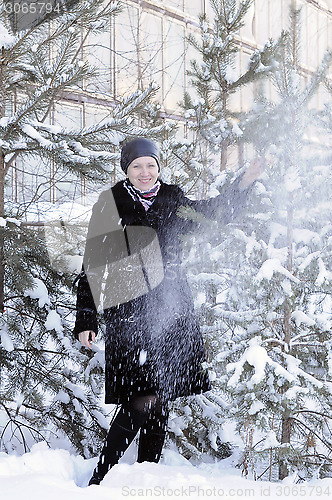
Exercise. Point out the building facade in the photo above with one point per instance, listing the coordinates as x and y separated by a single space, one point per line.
148 41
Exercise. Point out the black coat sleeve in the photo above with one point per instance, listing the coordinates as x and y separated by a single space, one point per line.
86 311
226 206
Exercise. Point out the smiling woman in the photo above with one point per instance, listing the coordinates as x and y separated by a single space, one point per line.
154 350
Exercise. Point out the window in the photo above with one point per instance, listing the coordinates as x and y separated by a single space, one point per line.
247 32
67 185
329 33
322 35
174 66
194 7
94 114
126 50
262 28
243 100
151 51
30 179
191 55
99 56
276 19
178 4
303 52
312 29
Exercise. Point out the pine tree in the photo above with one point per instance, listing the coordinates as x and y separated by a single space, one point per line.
215 78
304 336
270 322
49 385
266 309
213 127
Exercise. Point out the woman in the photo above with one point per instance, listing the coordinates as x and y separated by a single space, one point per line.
153 347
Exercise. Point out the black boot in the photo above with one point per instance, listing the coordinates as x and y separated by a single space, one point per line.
122 431
152 437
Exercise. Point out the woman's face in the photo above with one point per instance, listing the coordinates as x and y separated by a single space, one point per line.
143 172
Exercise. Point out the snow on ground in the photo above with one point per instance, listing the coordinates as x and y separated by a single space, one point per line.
49 474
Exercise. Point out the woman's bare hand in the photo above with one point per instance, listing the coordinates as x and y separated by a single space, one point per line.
87 338
255 169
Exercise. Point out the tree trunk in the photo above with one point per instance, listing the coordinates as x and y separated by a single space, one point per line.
286 420
2 231
2 180
223 152
211 300
285 438
223 159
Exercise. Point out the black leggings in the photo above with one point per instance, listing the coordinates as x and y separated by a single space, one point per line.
144 413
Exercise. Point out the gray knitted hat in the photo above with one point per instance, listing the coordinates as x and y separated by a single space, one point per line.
137 148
